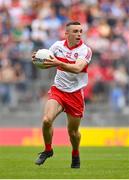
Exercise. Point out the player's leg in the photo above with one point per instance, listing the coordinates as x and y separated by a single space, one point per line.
52 109
75 137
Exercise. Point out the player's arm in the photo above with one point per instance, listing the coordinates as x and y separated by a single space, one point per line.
73 68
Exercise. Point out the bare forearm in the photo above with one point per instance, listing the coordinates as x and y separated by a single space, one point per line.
73 68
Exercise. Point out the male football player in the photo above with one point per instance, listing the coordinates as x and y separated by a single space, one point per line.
72 58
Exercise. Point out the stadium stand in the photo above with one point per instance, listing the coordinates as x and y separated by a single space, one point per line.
26 26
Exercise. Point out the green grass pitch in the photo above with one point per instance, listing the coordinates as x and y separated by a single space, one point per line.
96 163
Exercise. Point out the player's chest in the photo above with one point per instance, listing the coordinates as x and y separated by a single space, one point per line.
65 53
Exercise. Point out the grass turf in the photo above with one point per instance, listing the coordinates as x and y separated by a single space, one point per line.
96 163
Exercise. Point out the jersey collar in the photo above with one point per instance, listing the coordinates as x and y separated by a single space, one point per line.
73 47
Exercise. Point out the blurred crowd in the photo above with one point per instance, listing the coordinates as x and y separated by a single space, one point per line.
26 26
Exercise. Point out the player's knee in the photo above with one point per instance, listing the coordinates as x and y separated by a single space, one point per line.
47 122
73 133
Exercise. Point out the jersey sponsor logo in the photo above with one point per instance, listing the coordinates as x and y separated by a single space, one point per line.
68 54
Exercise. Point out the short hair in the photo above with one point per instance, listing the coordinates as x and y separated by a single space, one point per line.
73 23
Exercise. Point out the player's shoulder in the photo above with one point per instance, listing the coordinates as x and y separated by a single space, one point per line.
58 43
86 51
85 46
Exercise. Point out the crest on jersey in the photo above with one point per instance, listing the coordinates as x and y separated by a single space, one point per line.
76 55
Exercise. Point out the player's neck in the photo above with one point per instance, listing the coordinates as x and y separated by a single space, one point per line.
71 44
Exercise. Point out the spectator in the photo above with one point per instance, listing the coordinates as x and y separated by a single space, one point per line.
26 26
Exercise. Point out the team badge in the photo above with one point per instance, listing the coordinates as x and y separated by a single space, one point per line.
76 55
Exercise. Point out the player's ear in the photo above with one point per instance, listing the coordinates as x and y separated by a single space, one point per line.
66 32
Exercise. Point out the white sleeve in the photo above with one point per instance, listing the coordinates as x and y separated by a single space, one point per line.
86 55
53 47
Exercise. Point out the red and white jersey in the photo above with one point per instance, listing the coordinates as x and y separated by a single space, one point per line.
67 81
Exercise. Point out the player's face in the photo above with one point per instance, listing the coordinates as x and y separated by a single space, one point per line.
73 34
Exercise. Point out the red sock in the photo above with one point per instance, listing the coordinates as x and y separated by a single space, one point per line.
48 147
75 152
